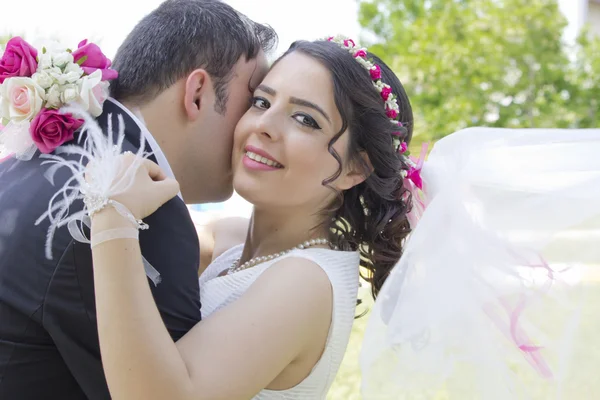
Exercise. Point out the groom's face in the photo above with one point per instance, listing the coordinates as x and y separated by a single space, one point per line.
217 127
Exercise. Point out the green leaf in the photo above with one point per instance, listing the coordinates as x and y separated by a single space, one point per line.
43 50
82 60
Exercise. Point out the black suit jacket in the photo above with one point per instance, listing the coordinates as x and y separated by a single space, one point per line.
48 333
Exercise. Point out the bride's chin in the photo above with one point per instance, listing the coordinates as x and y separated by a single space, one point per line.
249 191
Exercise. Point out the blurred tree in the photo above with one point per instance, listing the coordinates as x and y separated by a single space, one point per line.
585 78
475 62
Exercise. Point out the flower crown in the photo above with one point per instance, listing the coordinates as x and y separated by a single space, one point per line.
35 84
412 181
392 110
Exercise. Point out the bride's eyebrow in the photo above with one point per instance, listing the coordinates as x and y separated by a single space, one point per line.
306 103
295 100
266 89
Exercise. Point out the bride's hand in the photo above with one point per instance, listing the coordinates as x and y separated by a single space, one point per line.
149 189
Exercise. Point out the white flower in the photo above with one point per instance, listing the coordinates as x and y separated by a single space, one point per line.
73 68
93 93
22 99
72 72
45 61
61 59
53 97
69 93
43 79
57 75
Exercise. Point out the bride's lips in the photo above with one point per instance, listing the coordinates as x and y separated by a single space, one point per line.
259 160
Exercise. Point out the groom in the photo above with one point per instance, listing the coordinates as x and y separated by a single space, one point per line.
186 73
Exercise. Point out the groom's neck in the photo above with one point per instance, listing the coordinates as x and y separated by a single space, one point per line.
154 115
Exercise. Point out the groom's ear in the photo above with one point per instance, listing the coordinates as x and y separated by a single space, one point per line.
195 87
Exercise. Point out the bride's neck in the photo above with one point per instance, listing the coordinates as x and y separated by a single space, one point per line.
272 232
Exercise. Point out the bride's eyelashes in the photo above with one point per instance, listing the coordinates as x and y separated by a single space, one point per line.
260 102
305 120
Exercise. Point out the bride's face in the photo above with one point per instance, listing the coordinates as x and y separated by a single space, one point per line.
280 156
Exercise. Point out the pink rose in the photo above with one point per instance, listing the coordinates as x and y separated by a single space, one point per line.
349 42
393 114
375 72
385 93
51 129
18 59
94 59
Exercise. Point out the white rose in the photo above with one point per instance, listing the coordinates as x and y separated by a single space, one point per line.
22 99
69 93
62 58
43 79
93 93
53 97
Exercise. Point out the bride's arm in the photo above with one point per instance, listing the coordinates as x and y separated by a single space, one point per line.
233 354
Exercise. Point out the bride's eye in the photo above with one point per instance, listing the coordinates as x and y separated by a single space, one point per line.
306 120
260 102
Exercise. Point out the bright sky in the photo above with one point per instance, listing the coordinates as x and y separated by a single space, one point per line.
111 20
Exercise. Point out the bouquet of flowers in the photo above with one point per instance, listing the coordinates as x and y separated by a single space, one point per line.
36 83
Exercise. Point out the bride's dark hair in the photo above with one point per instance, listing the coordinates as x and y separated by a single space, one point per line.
370 217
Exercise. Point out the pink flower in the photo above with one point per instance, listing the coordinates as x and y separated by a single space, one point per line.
385 92
393 114
347 43
414 175
18 59
361 54
93 59
51 129
375 72
403 147
22 98
330 38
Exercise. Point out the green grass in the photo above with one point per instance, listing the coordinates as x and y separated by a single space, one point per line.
583 382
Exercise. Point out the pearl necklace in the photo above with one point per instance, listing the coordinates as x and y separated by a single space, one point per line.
235 267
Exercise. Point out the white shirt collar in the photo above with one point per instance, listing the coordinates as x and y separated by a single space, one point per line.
161 159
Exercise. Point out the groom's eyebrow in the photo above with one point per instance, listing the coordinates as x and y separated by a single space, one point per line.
295 100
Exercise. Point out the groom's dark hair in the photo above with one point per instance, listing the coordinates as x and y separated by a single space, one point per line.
181 36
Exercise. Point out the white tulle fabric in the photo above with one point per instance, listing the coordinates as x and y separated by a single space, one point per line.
484 303
96 185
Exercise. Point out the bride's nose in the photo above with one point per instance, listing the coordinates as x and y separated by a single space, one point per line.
269 126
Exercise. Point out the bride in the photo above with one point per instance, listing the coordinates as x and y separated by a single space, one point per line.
322 156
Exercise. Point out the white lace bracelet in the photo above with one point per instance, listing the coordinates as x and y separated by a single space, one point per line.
113 234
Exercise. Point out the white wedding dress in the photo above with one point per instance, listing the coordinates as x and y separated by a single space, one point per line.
342 269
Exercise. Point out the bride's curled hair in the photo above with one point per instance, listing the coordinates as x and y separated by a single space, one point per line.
372 216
